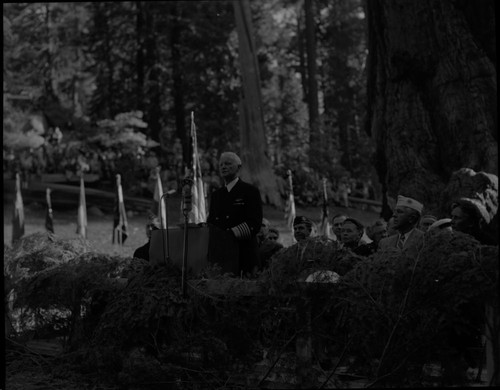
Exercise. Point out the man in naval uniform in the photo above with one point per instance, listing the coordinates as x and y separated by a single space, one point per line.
234 219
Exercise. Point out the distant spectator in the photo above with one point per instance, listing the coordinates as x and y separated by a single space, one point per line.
264 230
468 217
143 251
406 218
269 246
273 234
302 228
390 227
344 191
352 231
377 231
337 222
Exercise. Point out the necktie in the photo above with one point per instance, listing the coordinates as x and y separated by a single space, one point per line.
401 241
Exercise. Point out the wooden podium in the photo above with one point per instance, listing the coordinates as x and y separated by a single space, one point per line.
197 253
205 244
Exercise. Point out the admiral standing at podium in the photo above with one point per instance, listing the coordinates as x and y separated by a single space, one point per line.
234 219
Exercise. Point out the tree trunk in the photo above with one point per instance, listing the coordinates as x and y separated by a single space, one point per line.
153 84
178 92
302 54
140 56
431 94
256 165
312 84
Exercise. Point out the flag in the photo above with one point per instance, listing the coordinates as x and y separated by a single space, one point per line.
81 227
49 220
198 213
290 203
120 216
324 227
161 211
18 214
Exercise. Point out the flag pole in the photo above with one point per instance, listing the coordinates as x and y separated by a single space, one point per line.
18 213
291 202
199 210
49 219
324 211
81 228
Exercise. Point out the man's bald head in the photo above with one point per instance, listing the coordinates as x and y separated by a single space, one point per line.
232 157
229 166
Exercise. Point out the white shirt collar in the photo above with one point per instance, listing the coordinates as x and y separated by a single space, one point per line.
231 184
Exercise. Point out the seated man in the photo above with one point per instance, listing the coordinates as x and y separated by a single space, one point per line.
337 222
302 228
377 231
467 216
352 231
263 232
143 251
406 218
269 246
273 235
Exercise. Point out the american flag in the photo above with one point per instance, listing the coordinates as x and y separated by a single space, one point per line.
81 227
120 223
290 203
198 213
49 219
324 227
18 214
162 212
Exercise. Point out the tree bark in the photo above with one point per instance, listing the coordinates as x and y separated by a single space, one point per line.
431 95
312 83
178 81
153 83
302 54
140 56
256 165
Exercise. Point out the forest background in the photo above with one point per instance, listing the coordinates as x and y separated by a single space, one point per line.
119 81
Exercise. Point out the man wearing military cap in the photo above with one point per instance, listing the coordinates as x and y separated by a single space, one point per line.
406 218
234 219
302 228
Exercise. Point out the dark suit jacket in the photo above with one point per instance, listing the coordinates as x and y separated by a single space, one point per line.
143 251
412 245
241 211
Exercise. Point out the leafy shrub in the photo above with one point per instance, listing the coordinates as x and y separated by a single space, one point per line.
393 313
296 262
399 311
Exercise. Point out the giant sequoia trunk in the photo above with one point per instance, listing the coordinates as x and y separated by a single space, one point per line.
312 85
432 93
178 81
256 164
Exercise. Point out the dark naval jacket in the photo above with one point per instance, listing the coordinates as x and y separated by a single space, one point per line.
234 219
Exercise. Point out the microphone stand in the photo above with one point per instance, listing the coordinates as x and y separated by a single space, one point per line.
167 258
186 208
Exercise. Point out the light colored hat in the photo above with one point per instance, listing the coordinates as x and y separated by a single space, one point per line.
265 222
410 203
439 223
